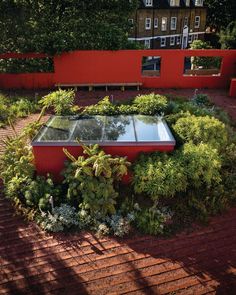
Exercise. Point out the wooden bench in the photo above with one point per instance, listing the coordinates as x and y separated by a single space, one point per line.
106 85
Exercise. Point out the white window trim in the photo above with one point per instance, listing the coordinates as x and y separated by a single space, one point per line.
178 38
173 28
148 3
148 27
195 37
186 21
147 43
190 38
163 45
162 24
156 22
172 43
175 4
197 22
187 3
198 2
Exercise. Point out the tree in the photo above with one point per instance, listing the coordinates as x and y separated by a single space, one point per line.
56 26
220 13
228 36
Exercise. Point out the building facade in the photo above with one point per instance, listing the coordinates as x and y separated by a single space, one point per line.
168 23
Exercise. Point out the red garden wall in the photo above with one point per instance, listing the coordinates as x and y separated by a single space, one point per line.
82 67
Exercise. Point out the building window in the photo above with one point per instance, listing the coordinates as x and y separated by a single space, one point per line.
185 21
198 2
164 24
197 22
148 23
172 41
155 22
174 2
190 38
147 43
187 2
195 37
178 40
173 23
148 3
163 41
131 22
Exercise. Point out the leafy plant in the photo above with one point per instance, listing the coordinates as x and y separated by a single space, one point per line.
61 101
150 104
153 220
92 179
23 108
159 175
62 217
201 129
201 99
103 107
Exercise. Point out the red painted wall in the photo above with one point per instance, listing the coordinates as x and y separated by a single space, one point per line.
125 66
80 67
232 91
50 159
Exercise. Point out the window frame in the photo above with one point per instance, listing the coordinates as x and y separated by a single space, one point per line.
175 23
147 43
178 38
148 3
190 38
172 43
197 21
156 22
150 23
162 38
166 19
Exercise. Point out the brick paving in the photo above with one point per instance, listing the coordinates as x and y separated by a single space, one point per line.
33 262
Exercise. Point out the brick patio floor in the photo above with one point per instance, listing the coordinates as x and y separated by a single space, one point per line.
32 262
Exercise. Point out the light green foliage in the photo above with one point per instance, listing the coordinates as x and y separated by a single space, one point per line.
202 164
61 101
159 175
61 218
150 104
153 220
12 108
103 107
92 179
39 191
201 129
207 62
16 167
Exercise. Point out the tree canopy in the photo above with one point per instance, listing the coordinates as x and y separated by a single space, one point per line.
220 13
52 26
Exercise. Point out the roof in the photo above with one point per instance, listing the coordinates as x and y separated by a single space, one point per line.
164 4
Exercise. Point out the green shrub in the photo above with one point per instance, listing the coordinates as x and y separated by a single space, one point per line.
39 191
201 129
91 180
202 164
61 101
152 221
159 175
23 108
103 107
201 99
150 104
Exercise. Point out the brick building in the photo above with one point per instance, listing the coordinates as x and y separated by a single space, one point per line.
168 23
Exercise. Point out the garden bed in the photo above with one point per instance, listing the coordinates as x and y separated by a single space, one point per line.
168 190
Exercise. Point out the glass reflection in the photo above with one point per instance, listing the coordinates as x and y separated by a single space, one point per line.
119 128
146 128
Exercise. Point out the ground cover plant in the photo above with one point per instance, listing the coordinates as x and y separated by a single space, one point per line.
168 191
12 107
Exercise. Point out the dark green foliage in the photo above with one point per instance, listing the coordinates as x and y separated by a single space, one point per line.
201 100
40 191
59 26
228 36
29 65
